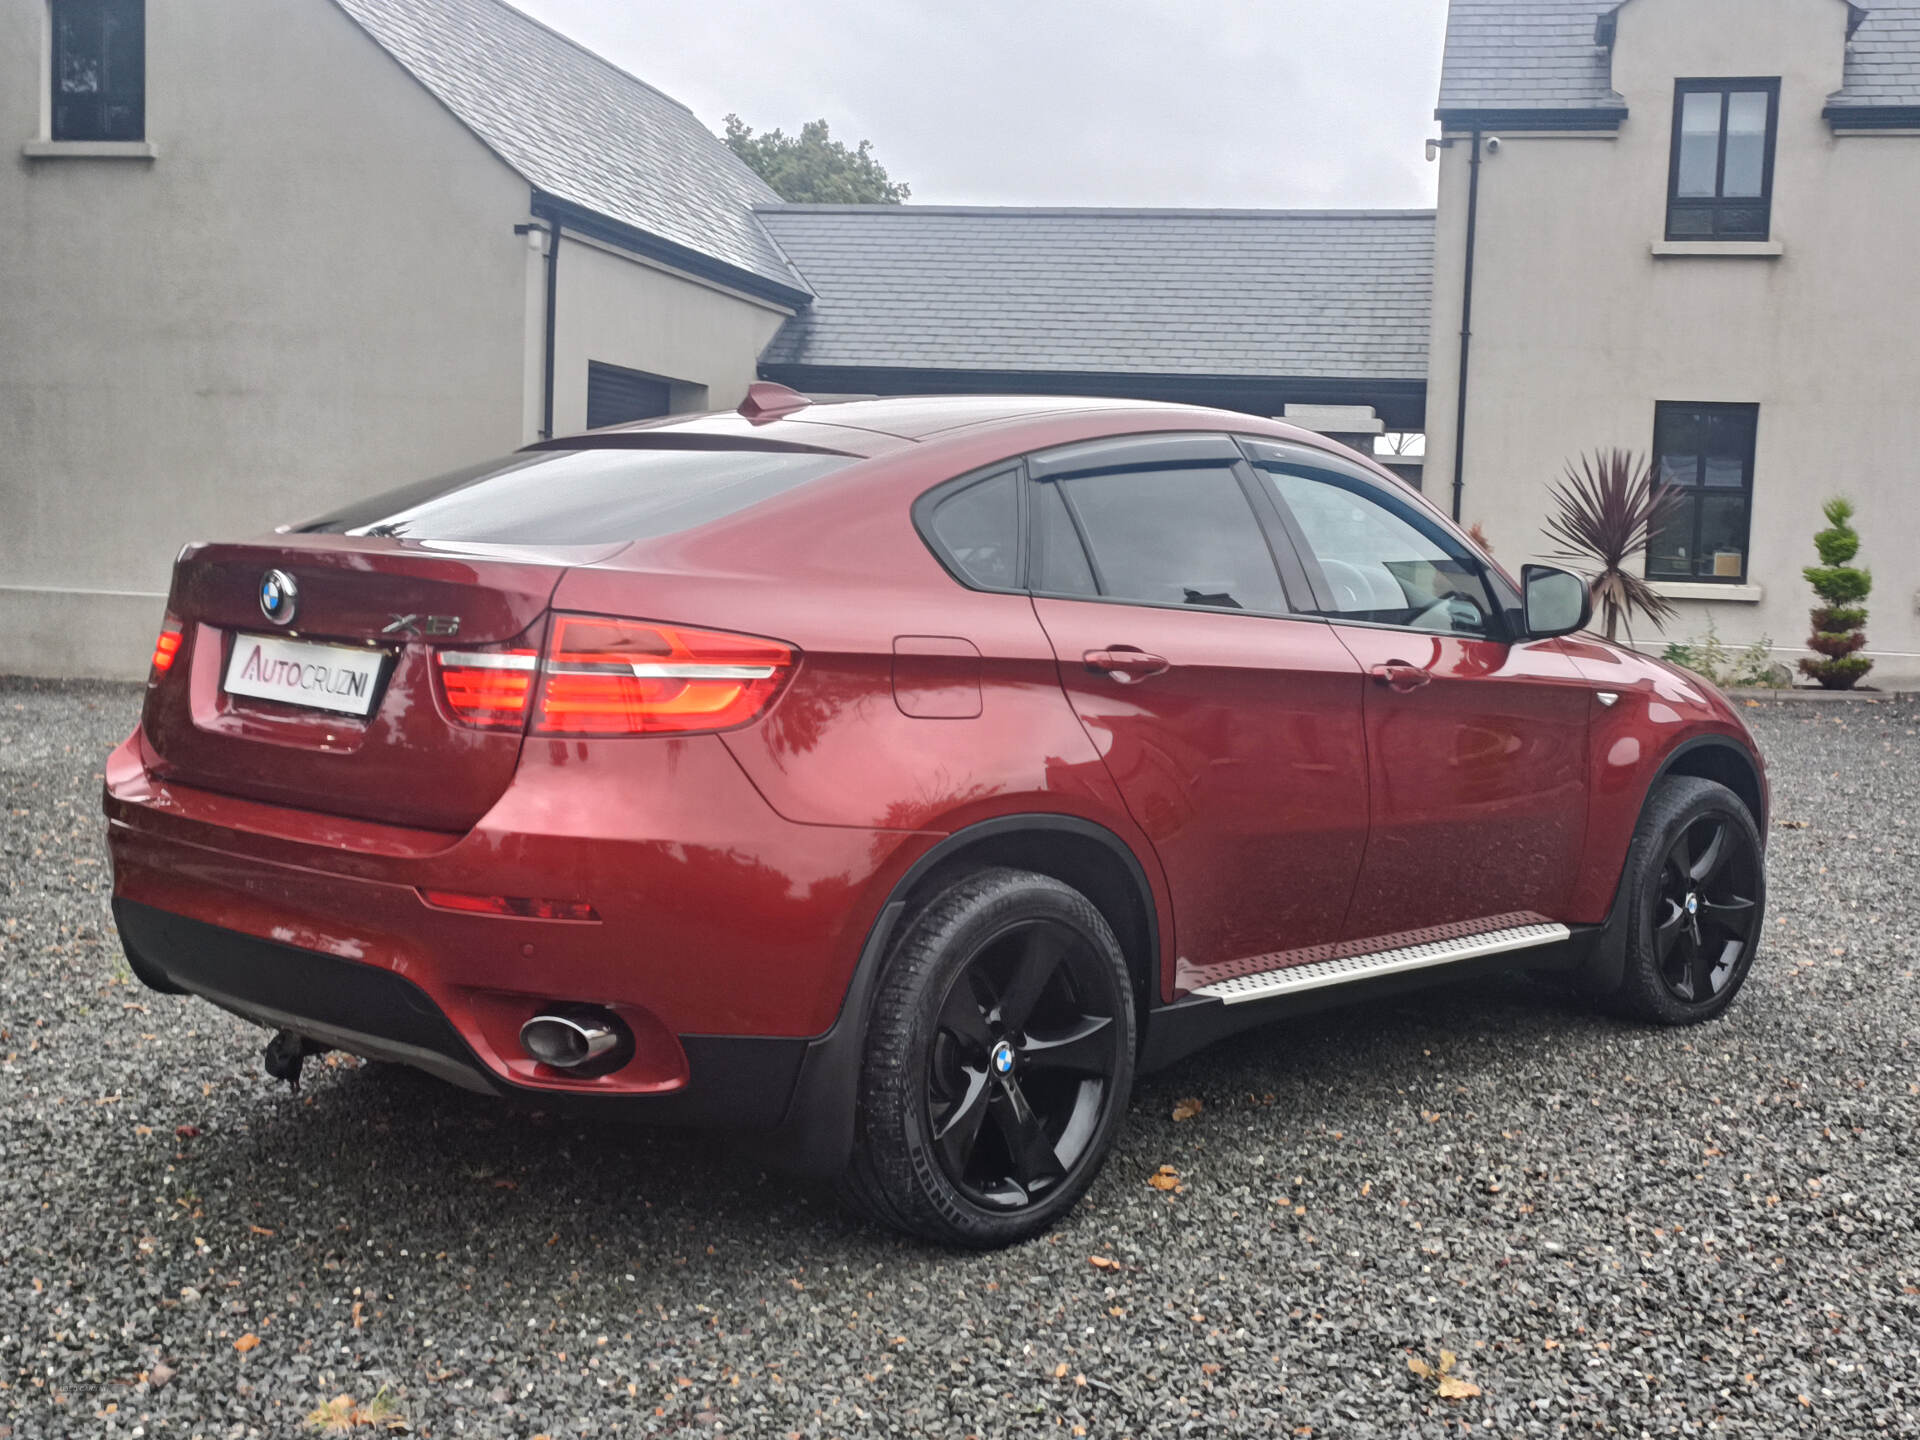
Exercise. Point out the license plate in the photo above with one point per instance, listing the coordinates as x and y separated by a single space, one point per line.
304 672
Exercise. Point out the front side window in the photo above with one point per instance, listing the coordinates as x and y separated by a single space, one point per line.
1174 532
1703 456
1382 562
1721 181
99 69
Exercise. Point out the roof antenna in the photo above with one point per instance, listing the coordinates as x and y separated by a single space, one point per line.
767 400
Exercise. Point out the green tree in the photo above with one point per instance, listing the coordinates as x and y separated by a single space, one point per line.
1838 621
813 168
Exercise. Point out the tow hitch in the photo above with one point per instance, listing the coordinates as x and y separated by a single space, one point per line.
286 1053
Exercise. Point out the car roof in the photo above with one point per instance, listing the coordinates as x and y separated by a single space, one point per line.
871 427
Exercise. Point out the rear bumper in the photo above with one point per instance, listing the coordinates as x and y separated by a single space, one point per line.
744 1082
727 937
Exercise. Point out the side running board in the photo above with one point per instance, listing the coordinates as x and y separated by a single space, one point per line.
1291 980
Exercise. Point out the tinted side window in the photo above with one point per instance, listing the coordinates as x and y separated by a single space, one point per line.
979 529
581 497
1059 560
1181 534
1383 563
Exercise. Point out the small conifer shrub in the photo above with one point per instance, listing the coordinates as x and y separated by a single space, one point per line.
1840 618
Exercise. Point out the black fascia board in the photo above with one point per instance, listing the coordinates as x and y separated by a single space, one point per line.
1591 118
1873 117
595 226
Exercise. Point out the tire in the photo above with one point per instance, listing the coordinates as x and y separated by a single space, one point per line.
1695 916
999 1063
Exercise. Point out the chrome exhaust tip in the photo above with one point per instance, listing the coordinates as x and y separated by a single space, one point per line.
573 1039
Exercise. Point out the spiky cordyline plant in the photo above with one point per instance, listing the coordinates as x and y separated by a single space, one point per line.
1605 513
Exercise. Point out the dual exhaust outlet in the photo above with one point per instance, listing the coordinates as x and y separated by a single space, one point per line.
579 1039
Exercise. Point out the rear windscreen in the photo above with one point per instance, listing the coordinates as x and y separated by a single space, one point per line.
580 497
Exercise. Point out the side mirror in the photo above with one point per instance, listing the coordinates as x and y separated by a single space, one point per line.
1557 602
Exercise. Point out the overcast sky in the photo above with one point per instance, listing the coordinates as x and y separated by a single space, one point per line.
1036 102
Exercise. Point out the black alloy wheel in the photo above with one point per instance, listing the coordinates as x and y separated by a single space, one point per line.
1704 925
1025 1054
1697 899
999 1062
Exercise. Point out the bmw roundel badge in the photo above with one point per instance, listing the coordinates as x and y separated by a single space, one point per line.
279 597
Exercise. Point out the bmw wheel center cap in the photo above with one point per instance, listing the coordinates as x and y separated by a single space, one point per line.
279 597
1002 1059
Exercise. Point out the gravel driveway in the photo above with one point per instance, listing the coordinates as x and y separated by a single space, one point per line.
1615 1230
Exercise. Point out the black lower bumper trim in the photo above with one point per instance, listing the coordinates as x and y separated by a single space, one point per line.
740 1082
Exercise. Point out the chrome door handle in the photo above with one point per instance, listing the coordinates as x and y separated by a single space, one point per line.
1400 676
1126 664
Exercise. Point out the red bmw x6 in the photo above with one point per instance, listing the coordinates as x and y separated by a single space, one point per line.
901 778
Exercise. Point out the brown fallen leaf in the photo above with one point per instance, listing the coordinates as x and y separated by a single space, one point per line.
1419 1367
186 1132
1187 1109
1452 1387
1103 1262
1165 1178
246 1342
358 1305
158 1377
1060 1371
259 1230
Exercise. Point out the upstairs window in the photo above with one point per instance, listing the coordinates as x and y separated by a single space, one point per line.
99 69
1721 181
1705 458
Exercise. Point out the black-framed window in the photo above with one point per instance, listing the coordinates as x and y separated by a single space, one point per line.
1704 455
99 77
1720 178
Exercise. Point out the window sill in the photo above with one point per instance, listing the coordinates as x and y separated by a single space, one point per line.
1708 590
1718 249
89 150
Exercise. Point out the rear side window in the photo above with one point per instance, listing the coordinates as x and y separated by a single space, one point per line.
977 529
581 497
1182 534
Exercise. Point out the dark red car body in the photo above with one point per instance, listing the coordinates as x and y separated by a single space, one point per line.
1272 794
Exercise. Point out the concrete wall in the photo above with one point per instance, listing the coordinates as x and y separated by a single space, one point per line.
311 290
1579 328
620 310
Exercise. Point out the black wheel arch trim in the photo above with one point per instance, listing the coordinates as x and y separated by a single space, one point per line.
1606 962
817 1136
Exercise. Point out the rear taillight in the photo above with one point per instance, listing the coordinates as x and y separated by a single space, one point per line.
626 677
488 688
172 636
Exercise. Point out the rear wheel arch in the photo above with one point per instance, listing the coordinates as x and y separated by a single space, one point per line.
1087 856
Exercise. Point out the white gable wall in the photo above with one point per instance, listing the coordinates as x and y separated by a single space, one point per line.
1579 328
313 292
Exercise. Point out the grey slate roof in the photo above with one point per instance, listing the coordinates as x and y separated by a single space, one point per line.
1883 62
581 129
1335 294
1526 55
1543 55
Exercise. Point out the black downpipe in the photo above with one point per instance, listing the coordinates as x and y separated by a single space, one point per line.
553 291
1466 329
